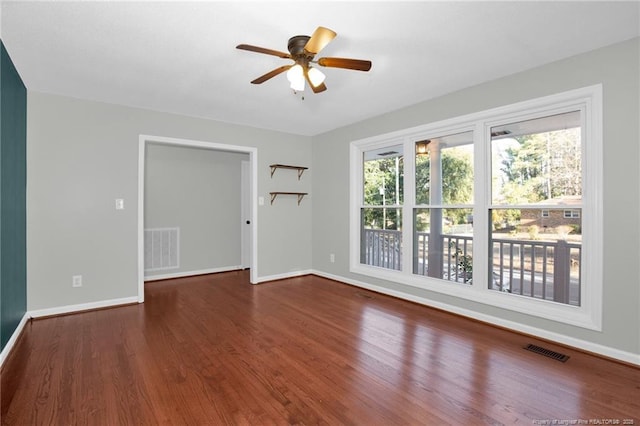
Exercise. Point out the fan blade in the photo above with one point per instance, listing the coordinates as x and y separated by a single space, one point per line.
271 74
317 89
351 64
263 50
319 39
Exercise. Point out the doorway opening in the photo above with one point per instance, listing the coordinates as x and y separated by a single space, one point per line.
248 186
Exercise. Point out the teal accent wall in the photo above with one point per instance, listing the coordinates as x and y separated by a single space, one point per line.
13 190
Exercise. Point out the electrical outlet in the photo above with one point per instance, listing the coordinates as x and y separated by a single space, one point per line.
332 258
76 281
119 204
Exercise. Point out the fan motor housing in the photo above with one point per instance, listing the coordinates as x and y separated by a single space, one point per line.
296 47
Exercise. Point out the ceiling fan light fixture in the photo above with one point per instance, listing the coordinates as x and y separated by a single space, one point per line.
316 77
302 51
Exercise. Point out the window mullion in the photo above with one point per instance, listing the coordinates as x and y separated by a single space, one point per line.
409 203
481 221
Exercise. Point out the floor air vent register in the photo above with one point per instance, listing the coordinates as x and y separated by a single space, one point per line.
547 352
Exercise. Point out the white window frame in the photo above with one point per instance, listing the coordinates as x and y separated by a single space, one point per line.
544 213
589 101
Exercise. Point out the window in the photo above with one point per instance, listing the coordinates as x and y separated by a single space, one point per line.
489 207
571 214
536 162
381 217
443 213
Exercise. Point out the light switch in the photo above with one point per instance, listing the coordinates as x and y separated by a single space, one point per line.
119 204
261 201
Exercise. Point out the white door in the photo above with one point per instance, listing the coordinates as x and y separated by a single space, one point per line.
245 211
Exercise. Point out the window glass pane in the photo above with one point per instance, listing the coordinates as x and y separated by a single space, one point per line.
443 238
444 170
571 213
537 256
537 161
383 176
381 237
536 252
443 244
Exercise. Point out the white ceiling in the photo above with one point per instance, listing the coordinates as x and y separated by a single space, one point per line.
180 56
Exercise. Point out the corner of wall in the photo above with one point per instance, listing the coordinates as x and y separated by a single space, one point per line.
13 170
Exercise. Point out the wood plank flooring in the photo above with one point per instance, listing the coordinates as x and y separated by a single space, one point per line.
215 350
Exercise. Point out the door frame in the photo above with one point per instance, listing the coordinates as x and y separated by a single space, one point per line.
253 191
245 212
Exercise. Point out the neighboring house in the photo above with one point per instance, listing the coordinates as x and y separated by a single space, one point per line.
560 211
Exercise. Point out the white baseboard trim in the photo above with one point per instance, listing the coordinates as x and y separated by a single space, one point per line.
60 310
13 339
595 348
283 276
191 273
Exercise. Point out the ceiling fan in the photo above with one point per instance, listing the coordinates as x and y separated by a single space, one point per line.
302 50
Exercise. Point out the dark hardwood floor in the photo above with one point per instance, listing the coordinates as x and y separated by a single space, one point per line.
215 350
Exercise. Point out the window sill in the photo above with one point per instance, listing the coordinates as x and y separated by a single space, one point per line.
579 316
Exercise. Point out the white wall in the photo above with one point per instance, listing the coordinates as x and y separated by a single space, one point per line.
82 155
198 191
617 68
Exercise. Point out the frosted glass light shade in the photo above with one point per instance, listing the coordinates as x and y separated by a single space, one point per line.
295 75
298 85
316 77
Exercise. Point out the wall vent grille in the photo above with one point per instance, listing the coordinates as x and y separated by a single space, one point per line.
161 249
547 352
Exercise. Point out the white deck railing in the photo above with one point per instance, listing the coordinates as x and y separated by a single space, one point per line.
381 247
540 269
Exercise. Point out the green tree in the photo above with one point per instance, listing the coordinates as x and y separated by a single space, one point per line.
457 178
543 166
383 186
538 167
457 181
523 168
